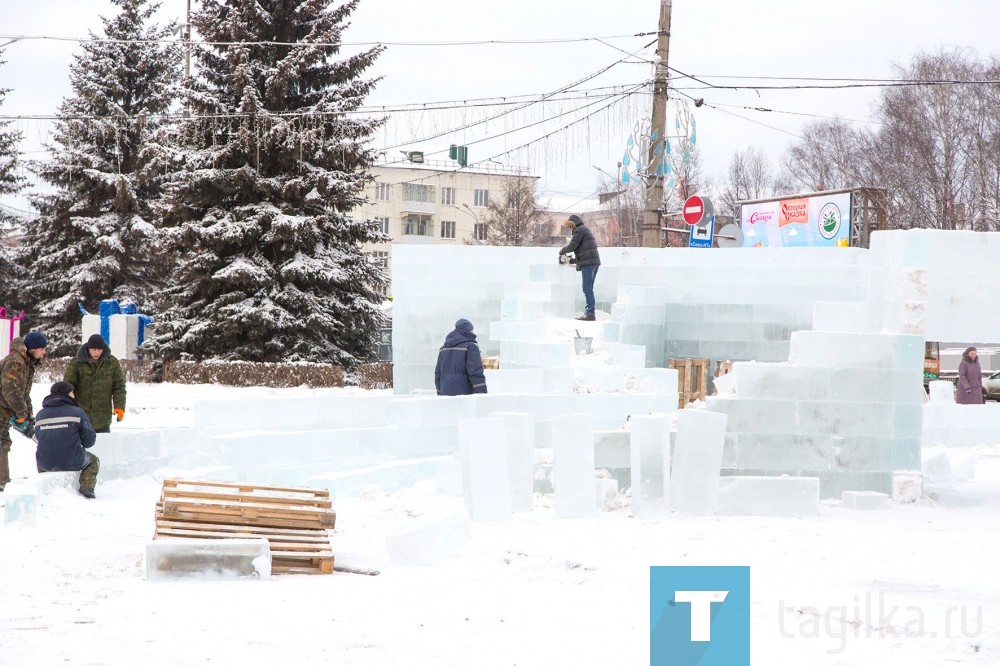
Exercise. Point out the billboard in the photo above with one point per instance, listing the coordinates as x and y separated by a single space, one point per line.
822 220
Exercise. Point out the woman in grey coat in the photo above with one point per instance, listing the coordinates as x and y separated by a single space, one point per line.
970 379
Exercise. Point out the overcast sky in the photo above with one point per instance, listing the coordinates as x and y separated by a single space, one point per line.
735 38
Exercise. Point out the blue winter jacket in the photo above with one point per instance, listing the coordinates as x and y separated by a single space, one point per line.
63 431
459 369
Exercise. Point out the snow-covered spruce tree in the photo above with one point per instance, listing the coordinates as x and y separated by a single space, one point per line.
272 267
11 182
95 237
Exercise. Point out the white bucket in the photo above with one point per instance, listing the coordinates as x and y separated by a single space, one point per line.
583 345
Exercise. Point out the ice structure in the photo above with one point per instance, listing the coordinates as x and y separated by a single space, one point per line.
827 346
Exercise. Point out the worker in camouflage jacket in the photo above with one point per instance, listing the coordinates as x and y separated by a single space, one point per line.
99 382
17 374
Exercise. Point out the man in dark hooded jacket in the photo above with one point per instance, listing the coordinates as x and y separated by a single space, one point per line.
583 245
64 434
459 369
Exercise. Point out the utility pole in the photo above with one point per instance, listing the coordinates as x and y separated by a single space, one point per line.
654 162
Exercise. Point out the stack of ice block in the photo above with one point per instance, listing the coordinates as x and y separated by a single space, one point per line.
843 409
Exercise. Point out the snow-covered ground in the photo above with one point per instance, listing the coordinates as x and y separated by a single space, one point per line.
885 587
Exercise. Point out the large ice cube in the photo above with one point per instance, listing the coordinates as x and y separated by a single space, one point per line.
573 465
211 559
650 465
768 495
429 538
486 479
519 433
697 460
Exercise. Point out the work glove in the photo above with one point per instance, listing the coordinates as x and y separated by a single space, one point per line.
120 413
23 425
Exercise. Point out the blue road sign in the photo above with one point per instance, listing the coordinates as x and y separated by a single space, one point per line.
702 234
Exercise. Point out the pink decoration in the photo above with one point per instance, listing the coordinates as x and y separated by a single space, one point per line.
5 315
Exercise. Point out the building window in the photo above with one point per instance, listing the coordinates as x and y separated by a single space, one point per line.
417 226
542 229
448 196
481 230
447 229
382 258
420 193
383 223
383 191
481 198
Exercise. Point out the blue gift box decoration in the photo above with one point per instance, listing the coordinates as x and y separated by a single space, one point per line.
110 306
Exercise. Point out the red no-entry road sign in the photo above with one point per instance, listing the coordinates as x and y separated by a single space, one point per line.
694 210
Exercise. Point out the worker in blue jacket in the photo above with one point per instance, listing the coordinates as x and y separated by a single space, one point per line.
64 434
459 369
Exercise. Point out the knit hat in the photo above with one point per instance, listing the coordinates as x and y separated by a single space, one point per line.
35 340
95 341
61 388
463 325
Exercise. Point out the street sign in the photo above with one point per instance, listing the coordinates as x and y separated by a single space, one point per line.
702 234
731 236
385 344
697 210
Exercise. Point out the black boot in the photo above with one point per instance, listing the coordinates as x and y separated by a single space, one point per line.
87 492
587 316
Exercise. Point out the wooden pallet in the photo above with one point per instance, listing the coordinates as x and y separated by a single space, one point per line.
721 368
230 503
692 379
295 521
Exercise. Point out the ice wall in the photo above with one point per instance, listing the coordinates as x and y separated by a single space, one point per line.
723 304
925 282
844 404
846 408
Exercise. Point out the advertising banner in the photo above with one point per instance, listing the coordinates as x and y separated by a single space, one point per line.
809 221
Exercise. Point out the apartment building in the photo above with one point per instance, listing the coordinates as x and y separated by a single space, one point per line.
432 203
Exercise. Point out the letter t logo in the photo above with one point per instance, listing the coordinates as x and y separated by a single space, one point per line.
701 610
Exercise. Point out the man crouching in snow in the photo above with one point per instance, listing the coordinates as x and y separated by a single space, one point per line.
64 433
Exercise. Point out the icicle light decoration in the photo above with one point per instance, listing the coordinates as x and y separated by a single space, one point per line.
561 126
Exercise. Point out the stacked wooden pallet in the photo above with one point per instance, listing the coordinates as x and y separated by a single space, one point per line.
692 379
295 521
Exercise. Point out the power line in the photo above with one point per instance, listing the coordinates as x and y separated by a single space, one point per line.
861 79
796 113
840 86
509 111
523 127
482 42
411 107
749 120
525 145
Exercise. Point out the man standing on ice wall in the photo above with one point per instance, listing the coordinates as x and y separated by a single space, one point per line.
17 374
583 245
